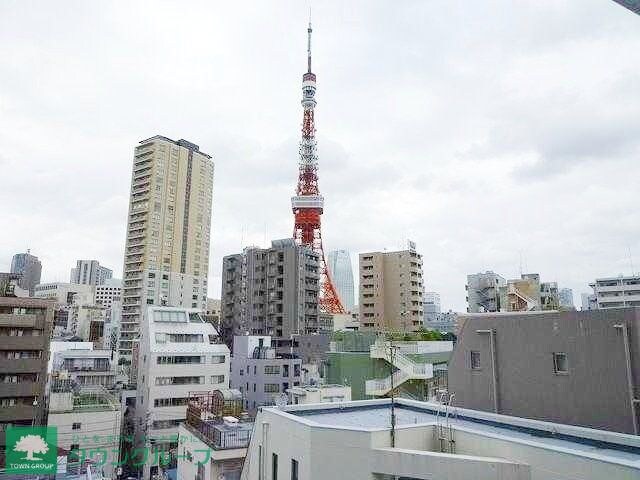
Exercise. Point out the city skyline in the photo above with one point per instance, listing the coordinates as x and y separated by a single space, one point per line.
469 142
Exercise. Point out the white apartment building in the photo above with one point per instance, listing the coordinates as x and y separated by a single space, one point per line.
178 353
107 293
324 393
90 272
622 291
167 245
355 441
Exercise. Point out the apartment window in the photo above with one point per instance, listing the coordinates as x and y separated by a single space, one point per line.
271 388
294 469
475 360
560 363
217 379
274 466
272 369
217 359
76 426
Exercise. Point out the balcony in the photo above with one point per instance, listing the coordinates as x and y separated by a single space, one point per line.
23 365
23 389
222 436
22 343
18 412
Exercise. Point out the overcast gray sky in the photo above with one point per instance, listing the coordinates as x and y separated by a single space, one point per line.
484 131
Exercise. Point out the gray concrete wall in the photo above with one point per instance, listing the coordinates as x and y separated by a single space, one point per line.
594 393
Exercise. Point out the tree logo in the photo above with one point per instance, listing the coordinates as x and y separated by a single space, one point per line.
31 449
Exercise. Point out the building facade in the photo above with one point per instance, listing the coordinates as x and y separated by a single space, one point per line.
528 293
108 292
355 441
259 373
179 352
391 291
25 332
90 272
614 292
341 271
578 368
565 299
29 268
483 292
168 231
272 292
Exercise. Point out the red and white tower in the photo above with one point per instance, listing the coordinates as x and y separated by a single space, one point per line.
307 204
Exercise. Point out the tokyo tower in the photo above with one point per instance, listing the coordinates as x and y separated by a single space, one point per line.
307 204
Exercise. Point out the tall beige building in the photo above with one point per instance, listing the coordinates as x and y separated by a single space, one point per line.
166 258
391 291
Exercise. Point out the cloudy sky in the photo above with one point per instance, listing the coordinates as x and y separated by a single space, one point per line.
495 134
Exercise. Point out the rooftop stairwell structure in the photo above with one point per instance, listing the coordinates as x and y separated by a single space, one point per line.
405 367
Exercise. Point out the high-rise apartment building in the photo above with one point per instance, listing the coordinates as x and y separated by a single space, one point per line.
167 246
25 331
90 272
483 292
29 268
391 291
339 265
271 291
612 292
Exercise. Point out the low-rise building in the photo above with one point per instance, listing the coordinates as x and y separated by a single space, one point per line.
483 292
323 393
579 368
88 420
86 368
357 441
213 440
260 373
614 292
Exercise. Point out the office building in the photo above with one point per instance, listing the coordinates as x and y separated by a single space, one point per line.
355 441
483 292
431 303
29 268
614 292
25 331
259 373
565 299
108 292
391 291
341 271
90 272
588 301
212 313
272 291
168 231
9 285
63 293
88 421
178 353
85 367
579 368
213 440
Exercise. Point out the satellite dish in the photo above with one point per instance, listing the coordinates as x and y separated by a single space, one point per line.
282 400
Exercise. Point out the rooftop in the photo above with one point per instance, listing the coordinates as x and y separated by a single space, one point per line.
374 415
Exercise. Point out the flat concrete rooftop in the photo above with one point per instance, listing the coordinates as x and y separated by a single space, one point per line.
375 415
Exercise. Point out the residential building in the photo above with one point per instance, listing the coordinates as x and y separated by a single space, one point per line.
614 292
341 272
88 421
259 373
63 293
356 441
108 292
178 353
391 291
528 293
588 301
29 268
25 332
85 367
444 322
212 314
272 291
483 292
9 285
431 303
90 272
578 368
364 362
168 231
565 299
214 439
321 393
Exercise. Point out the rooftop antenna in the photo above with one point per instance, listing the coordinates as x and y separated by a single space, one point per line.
633 272
309 30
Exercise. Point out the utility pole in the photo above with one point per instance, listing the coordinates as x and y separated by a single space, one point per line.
392 349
